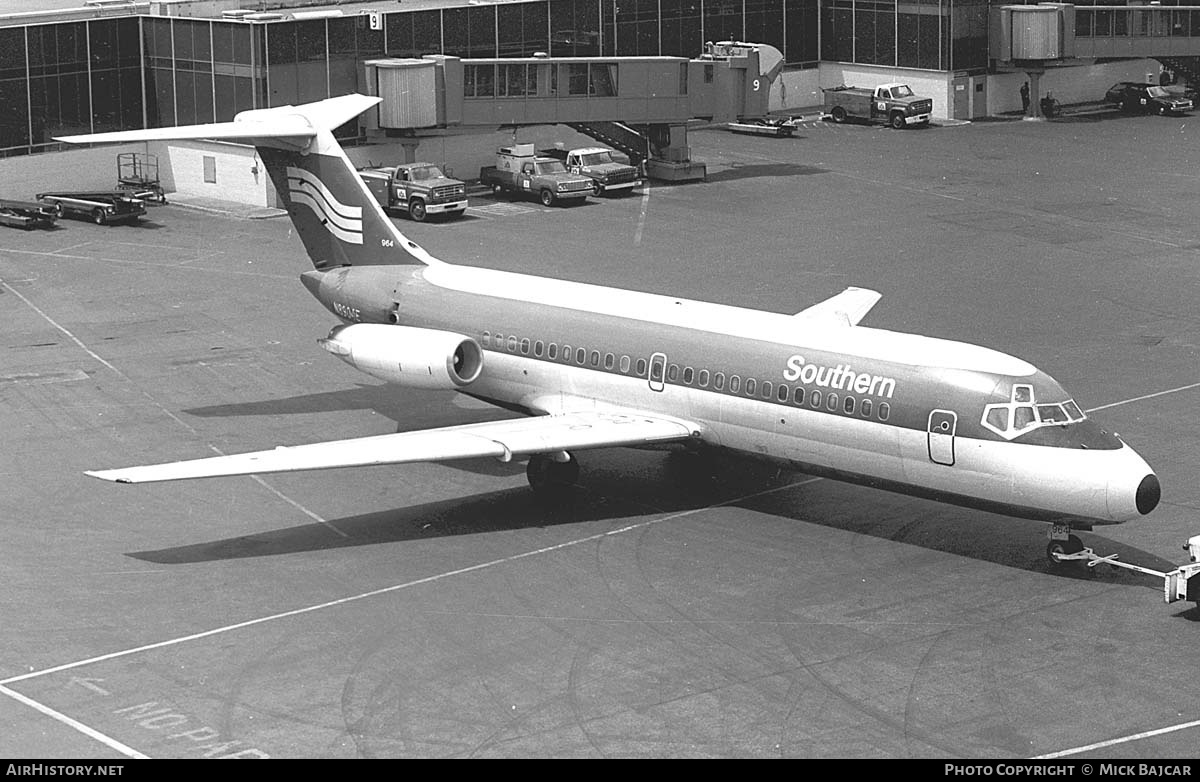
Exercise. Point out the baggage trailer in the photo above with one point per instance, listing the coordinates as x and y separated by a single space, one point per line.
26 214
777 128
101 208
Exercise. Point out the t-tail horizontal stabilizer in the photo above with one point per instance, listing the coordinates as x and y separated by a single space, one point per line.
337 218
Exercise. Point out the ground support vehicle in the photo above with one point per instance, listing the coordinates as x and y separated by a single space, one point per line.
598 165
26 214
779 128
1146 98
417 189
101 208
519 169
893 104
137 175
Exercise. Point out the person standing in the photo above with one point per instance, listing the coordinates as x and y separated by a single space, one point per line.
1025 98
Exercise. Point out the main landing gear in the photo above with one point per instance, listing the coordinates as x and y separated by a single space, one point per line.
1182 583
552 475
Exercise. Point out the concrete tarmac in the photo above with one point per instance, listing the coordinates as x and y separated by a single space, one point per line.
678 607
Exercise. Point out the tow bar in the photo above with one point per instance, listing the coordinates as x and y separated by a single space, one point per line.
1182 583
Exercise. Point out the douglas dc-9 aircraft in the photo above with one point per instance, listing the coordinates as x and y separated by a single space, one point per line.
598 367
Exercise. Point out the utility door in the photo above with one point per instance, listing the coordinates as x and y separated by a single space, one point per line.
658 369
942 424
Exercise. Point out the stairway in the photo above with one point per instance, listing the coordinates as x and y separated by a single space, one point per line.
1188 68
618 136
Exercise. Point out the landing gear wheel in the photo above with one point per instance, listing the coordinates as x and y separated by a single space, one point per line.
838 114
1072 545
549 478
416 210
547 197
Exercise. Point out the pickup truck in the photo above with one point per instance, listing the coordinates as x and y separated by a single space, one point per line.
417 189
519 169
598 164
894 104
99 207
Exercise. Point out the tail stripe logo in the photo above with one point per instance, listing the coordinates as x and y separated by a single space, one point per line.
341 220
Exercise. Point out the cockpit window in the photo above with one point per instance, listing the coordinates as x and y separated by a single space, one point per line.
1023 417
1052 414
1023 413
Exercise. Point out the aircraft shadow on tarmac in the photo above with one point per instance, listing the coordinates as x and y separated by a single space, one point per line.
635 485
754 170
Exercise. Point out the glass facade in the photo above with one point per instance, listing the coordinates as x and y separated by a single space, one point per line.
151 71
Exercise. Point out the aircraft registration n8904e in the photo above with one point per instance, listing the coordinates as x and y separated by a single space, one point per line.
598 367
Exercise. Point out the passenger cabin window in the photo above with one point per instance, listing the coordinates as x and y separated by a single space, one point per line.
782 394
673 372
580 356
702 378
832 402
538 348
595 358
624 365
848 406
688 375
525 346
814 399
552 351
486 339
609 360
641 367
798 395
512 344
866 408
735 384
750 382
719 381
766 389
885 411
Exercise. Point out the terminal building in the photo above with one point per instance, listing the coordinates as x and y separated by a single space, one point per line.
88 66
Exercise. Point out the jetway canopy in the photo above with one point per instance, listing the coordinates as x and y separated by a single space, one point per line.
731 81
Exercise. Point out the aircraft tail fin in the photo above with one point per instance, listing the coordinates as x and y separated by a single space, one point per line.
335 215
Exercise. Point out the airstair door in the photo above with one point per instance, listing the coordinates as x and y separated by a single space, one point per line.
942 424
658 369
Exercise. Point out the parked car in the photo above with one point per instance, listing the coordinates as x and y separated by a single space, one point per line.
1132 96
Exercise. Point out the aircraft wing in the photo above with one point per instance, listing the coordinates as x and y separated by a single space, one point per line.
503 440
845 309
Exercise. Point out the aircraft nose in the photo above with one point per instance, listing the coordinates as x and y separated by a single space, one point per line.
1149 492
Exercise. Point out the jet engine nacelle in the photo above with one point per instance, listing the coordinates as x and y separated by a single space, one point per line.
418 358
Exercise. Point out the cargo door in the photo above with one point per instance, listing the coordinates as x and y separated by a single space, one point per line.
942 424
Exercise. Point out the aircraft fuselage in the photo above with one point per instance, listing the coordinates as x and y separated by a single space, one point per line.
936 418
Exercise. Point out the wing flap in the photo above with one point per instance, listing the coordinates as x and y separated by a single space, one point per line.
845 309
502 440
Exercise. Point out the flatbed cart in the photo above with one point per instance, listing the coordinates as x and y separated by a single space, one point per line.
1182 583
26 214
137 174
101 208
777 127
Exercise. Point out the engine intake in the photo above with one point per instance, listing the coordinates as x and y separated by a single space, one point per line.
407 356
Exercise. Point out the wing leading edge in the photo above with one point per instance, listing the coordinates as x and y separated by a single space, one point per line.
503 440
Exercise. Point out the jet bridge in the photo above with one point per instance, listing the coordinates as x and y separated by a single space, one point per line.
639 105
